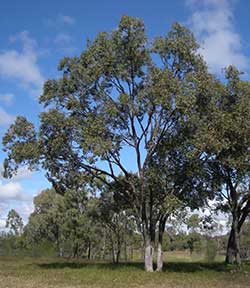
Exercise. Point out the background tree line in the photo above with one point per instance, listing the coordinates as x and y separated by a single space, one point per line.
98 234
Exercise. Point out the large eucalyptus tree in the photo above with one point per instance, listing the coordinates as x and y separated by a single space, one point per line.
111 110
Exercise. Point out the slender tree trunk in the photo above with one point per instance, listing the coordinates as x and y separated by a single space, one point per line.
113 250
118 252
159 257
104 247
118 249
60 252
75 252
59 249
233 246
148 236
149 254
230 249
57 240
125 250
160 252
162 223
89 250
143 251
131 252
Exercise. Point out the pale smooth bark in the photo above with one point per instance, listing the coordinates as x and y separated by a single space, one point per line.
159 257
149 243
149 254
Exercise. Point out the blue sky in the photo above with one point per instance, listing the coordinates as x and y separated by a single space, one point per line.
35 35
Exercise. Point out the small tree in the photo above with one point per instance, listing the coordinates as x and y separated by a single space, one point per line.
79 227
118 221
194 226
14 222
47 219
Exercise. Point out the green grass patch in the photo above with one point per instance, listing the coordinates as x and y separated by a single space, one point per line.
179 271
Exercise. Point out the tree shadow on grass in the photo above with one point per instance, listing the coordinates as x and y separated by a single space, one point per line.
91 265
185 267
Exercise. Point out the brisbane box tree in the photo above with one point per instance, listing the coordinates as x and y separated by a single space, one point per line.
123 96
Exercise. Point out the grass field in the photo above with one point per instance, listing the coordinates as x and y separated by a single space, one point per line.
180 271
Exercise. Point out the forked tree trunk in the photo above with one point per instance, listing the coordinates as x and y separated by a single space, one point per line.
148 231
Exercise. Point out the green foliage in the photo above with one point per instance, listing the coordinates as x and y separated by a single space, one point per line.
194 223
14 222
110 97
45 223
224 140
119 223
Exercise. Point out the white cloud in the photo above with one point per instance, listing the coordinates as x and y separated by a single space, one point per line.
6 98
22 173
10 191
219 217
22 65
62 38
64 42
212 22
60 20
66 19
5 118
13 195
2 224
13 191
25 209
